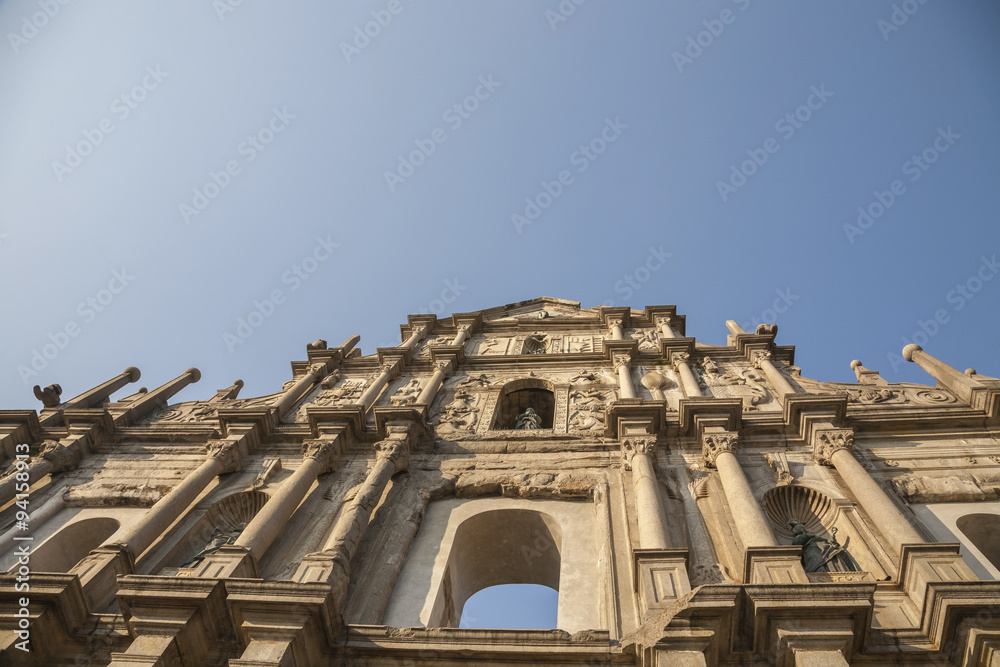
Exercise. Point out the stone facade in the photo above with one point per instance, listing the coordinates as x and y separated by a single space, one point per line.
693 505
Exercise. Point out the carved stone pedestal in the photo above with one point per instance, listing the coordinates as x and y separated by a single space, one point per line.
774 565
174 621
660 577
98 573
230 561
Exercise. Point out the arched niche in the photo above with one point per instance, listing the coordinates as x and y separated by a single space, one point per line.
983 530
227 515
519 395
495 547
71 543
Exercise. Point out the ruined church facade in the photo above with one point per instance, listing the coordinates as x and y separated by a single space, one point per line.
692 504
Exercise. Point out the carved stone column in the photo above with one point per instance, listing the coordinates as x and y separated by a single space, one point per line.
289 397
223 456
681 364
318 456
638 455
95 396
966 387
462 335
52 458
780 384
388 371
442 369
833 447
623 364
666 330
157 398
719 449
615 323
416 334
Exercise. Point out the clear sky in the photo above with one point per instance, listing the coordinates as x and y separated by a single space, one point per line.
323 169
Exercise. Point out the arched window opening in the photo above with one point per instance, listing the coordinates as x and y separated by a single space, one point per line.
494 548
983 530
512 606
67 547
521 396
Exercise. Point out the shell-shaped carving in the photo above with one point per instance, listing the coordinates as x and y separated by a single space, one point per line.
238 509
809 507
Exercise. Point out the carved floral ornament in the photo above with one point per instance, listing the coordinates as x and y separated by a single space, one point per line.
322 451
226 452
829 442
678 358
713 444
759 357
638 445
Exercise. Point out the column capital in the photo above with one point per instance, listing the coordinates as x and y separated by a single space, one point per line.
758 358
713 444
661 320
60 456
394 450
325 452
390 368
227 453
444 365
826 443
637 445
678 358
622 360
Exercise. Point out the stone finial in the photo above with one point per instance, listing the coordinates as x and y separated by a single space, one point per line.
226 452
759 357
713 444
864 375
318 344
638 445
48 396
323 451
827 443
767 330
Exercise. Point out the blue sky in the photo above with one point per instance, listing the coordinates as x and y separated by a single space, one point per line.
169 169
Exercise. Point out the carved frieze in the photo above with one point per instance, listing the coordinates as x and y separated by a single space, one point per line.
587 409
459 415
746 384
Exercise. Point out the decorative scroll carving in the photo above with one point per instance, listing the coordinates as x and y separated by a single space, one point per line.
489 411
748 386
713 444
588 410
226 452
493 346
407 394
459 416
871 395
829 442
183 413
648 340
559 418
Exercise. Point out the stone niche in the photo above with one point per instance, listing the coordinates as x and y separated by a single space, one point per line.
466 545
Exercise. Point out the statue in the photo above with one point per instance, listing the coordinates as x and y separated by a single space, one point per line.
822 554
220 538
528 420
